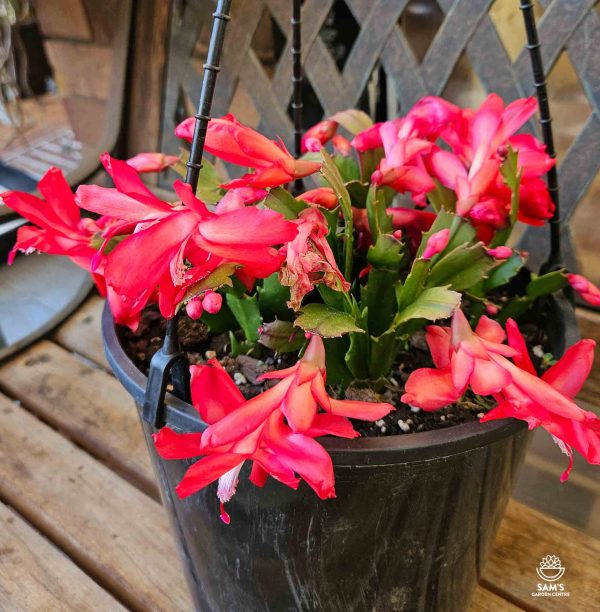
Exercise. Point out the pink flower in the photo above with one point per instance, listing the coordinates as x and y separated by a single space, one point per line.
321 196
462 358
500 252
432 115
402 167
152 162
318 135
586 289
233 142
436 243
478 141
309 259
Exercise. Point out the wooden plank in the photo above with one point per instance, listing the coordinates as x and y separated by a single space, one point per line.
83 69
486 601
53 22
525 537
88 404
81 332
117 534
149 62
36 576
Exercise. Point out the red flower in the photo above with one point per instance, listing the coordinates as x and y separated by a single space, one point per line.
309 259
228 139
535 204
152 162
168 235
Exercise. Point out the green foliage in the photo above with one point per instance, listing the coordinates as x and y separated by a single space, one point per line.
332 176
209 183
283 202
326 321
353 120
281 336
461 268
432 304
273 298
219 277
503 272
379 220
245 310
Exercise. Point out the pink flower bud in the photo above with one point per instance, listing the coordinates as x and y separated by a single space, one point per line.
491 309
397 234
586 289
212 302
194 308
501 252
436 243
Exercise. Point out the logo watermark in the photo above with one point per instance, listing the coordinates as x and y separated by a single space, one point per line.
550 570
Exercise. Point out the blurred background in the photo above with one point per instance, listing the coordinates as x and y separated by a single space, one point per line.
80 77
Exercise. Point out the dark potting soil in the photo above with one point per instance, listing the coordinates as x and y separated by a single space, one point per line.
200 346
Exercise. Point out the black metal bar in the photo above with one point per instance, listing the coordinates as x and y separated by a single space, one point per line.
170 360
297 80
539 81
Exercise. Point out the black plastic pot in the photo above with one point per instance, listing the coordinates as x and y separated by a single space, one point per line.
410 528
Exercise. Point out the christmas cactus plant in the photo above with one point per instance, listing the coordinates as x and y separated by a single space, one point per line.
398 243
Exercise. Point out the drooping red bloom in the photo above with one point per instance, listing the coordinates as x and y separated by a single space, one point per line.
229 140
255 430
309 259
306 392
59 228
480 360
586 289
152 162
547 401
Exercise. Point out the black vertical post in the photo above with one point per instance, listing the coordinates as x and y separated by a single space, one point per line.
170 358
539 81
296 22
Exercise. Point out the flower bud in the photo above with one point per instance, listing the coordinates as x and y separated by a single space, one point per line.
212 302
194 308
500 252
436 243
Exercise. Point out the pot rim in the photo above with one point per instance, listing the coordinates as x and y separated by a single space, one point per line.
401 448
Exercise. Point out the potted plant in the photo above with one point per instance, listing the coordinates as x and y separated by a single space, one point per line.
366 355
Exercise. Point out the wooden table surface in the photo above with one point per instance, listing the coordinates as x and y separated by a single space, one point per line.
82 525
